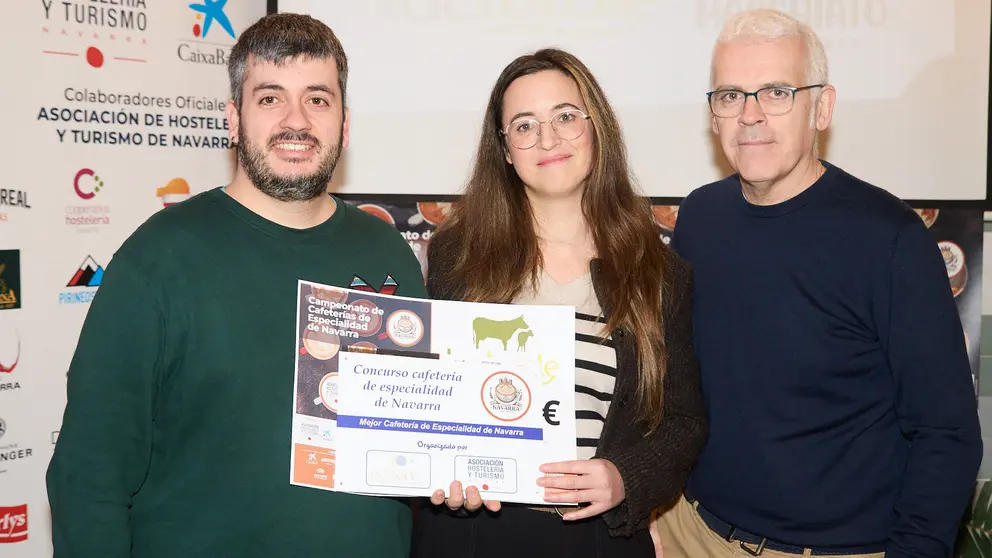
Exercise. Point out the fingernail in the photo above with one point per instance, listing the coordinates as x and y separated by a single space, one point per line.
541 482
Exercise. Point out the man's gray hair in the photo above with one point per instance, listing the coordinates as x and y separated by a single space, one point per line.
766 25
277 38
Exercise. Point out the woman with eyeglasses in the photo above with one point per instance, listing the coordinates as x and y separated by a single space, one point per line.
550 216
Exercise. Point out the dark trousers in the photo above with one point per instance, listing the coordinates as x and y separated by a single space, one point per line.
519 532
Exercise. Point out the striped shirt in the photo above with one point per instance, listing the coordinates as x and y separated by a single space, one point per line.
595 360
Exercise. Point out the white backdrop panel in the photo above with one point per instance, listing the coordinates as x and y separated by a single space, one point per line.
912 78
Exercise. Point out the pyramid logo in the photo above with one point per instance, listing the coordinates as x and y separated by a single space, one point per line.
89 274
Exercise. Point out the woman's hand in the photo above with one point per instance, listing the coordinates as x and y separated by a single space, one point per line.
472 500
596 481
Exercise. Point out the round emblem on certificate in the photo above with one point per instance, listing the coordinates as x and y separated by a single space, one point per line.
321 346
329 294
374 322
329 391
506 396
405 328
957 270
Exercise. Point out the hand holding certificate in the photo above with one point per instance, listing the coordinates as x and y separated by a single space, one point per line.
478 393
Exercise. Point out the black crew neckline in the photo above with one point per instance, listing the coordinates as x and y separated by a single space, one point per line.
814 191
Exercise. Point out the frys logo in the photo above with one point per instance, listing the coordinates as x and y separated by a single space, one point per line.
506 396
13 524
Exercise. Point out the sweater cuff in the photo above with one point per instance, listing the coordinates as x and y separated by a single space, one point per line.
616 518
623 520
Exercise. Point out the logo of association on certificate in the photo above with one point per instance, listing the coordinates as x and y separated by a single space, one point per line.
408 395
405 328
506 396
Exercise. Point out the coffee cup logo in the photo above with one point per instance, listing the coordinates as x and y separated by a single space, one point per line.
321 346
378 211
506 396
375 318
329 391
928 216
433 212
405 328
957 270
330 294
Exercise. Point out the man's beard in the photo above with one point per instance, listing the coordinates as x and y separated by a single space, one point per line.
301 187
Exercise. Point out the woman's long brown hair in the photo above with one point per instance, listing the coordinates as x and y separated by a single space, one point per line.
492 232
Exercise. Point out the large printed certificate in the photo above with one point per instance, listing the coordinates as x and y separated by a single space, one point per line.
399 396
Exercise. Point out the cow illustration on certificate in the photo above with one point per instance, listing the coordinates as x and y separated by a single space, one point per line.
398 396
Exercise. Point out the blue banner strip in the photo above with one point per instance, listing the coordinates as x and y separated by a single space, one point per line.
435 427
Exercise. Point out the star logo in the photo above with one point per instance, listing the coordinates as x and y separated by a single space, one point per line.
211 10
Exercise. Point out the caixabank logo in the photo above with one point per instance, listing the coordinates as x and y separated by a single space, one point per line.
98 33
82 287
13 524
210 37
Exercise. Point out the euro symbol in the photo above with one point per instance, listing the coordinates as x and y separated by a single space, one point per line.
549 412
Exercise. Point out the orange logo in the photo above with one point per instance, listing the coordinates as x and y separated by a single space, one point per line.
175 191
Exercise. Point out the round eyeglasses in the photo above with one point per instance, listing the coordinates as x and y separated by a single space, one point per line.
524 133
773 101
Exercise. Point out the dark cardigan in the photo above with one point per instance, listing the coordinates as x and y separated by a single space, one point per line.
654 467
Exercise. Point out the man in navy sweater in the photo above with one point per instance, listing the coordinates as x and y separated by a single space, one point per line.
842 411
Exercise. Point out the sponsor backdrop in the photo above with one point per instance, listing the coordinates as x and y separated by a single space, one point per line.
118 113
116 110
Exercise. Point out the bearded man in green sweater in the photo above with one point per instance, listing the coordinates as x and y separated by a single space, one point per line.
176 438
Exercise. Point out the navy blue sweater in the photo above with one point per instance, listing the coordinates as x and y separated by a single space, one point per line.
840 398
